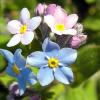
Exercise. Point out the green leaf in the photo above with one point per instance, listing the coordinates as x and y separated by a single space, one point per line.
92 23
88 61
90 1
6 79
4 38
85 91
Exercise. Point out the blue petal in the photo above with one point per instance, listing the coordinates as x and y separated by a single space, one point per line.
67 56
10 71
8 55
60 76
32 79
68 73
22 85
19 59
29 76
48 45
45 76
37 59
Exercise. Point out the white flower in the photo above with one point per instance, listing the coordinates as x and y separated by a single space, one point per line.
23 29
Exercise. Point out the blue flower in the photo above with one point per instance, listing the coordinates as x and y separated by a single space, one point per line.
53 63
16 68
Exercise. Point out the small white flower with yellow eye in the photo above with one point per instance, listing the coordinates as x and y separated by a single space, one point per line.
23 29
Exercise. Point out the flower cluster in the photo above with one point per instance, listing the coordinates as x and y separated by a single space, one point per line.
54 61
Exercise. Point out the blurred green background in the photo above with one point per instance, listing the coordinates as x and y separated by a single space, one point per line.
86 69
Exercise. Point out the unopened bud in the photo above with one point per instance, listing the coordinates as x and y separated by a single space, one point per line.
40 9
77 41
79 28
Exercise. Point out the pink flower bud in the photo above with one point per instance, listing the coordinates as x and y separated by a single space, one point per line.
77 41
40 9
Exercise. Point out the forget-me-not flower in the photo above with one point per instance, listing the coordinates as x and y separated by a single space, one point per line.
16 68
53 63
59 21
23 29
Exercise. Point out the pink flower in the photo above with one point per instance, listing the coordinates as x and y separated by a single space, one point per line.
23 29
59 22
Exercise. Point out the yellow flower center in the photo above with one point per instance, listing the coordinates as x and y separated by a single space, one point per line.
60 27
16 69
23 29
53 62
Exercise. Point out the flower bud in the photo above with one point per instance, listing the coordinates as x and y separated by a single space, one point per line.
40 9
79 28
77 41
14 89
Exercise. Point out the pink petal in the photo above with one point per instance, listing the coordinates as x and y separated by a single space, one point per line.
71 20
70 32
60 15
14 26
51 9
24 15
27 38
34 23
14 40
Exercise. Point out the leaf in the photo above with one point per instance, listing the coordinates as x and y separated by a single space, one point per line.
4 38
6 79
85 91
88 61
90 1
92 23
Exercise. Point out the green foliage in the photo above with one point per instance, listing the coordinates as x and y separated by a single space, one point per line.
80 93
90 62
90 1
6 79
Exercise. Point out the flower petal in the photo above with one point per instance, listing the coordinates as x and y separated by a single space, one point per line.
14 26
71 20
48 45
8 55
70 32
60 15
27 38
59 75
10 71
49 20
68 73
19 59
29 76
51 9
34 23
67 56
37 59
56 31
53 53
24 15
14 40
45 76
22 85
